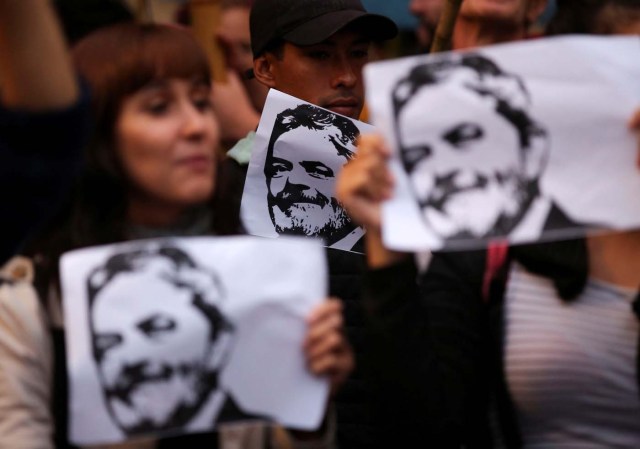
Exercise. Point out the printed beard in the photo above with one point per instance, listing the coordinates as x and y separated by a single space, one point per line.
311 220
466 214
161 402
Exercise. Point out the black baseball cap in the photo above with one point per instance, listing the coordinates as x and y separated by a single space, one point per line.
309 22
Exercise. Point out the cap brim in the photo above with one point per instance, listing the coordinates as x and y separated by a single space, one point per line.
318 29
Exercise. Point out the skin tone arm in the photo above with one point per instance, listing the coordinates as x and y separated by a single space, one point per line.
616 256
35 70
234 109
363 184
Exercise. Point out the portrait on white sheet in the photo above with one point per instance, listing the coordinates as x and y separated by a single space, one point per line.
159 363
484 148
300 149
168 337
475 172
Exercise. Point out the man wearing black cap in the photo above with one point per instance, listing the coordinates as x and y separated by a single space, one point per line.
315 50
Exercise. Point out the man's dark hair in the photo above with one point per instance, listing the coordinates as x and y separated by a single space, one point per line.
315 119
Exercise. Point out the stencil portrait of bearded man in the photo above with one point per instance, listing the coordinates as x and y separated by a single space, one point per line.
475 170
301 185
159 363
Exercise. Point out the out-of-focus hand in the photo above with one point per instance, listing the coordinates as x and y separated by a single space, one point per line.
235 41
233 108
634 125
326 349
365 182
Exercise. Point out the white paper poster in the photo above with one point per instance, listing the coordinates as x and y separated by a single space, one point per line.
525 141
166 337
290 186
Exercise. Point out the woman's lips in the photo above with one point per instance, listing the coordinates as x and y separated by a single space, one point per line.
196 163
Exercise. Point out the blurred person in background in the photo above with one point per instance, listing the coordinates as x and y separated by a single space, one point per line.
238 101
151 171
315 50
43 118
428 13
547 334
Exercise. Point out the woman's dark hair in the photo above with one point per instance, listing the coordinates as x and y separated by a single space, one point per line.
115 62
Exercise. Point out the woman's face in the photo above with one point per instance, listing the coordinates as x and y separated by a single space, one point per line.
166 137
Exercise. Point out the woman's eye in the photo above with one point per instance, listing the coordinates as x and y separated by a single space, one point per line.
158 107
203 104
463 134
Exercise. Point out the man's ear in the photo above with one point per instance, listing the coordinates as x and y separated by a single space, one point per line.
263 69
535 8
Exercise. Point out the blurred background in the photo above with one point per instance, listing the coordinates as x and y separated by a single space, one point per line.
81 16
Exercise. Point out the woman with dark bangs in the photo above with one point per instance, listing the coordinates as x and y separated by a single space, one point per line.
150 171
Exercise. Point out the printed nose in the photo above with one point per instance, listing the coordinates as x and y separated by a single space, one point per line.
299 179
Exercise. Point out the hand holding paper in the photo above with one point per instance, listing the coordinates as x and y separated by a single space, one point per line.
327 351
366 181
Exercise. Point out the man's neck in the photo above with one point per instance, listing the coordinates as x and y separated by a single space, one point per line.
470 33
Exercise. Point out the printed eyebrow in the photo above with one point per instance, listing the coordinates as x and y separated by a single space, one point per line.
312 167
149 326
103 342
463 132
342 150
277 160
412 155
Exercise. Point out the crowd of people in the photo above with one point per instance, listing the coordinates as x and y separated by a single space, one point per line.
119 138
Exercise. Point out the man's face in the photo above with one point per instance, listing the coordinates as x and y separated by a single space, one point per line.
151 358
328 74
301 194
466 167
502 11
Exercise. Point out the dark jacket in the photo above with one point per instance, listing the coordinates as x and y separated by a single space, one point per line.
437 344
356 428
39 158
